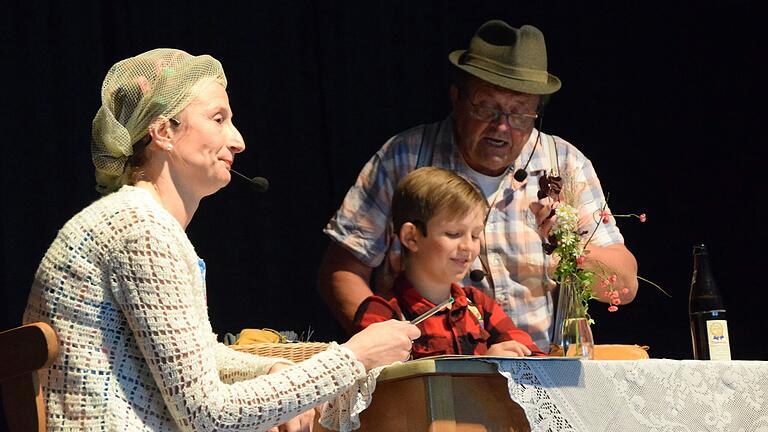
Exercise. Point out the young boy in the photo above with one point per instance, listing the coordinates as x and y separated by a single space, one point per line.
439 218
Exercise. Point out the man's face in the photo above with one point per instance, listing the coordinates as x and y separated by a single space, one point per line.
490 147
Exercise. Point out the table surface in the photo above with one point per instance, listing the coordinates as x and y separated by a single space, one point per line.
592 395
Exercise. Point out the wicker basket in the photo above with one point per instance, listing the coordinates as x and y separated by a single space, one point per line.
295 352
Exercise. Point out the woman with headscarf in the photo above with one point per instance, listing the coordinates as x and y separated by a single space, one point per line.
124 289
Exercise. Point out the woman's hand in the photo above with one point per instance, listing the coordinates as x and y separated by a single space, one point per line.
510 348
280 365
383 343
302 422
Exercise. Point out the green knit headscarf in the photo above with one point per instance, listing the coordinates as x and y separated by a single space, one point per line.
138 91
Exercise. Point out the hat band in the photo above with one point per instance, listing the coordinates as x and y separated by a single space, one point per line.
504 70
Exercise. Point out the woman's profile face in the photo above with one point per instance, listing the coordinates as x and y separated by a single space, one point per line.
206 142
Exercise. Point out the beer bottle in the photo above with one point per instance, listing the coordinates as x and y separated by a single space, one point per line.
709 328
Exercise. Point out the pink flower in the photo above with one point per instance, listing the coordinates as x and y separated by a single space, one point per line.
613 278
615 301
612 308
580 260
614 294
605 216
624 290
642 217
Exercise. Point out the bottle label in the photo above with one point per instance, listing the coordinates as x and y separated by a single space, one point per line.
717 335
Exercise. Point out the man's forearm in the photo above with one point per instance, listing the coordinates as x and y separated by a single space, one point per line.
618 260
343 283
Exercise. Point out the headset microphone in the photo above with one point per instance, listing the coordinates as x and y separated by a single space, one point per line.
259 184
477 275
521 173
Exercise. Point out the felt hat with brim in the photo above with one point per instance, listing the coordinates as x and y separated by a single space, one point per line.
515 59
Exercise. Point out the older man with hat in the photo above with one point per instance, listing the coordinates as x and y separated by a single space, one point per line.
491 138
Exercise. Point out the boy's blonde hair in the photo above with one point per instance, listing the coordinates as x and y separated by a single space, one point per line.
425 192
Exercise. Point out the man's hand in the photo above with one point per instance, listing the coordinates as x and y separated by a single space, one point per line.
550 187
510 348
543 210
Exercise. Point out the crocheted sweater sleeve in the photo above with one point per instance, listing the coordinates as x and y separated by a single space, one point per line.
236 366
155 279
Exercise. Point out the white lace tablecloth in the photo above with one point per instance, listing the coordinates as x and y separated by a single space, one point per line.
646 395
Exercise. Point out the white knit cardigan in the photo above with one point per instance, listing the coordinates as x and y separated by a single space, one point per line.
122 287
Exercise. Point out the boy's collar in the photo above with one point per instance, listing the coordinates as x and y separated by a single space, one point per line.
414 303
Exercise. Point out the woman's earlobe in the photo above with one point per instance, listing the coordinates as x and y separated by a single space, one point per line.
161 134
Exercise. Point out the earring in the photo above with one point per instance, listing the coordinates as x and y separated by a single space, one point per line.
168 147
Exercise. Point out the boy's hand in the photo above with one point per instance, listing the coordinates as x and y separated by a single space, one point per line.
508 349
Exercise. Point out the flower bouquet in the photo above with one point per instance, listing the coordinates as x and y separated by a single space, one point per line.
568 244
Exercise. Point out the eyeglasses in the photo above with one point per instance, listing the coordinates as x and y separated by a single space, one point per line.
488 114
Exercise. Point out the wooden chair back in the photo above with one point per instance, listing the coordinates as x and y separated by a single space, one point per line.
23 351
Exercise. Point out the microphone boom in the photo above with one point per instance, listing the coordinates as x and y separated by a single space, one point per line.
259 184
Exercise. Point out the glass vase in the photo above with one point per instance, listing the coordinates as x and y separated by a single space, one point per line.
572 323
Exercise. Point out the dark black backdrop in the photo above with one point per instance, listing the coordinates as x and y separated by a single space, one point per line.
662 98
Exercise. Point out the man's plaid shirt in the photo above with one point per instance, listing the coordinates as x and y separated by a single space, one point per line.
519 269
469 326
